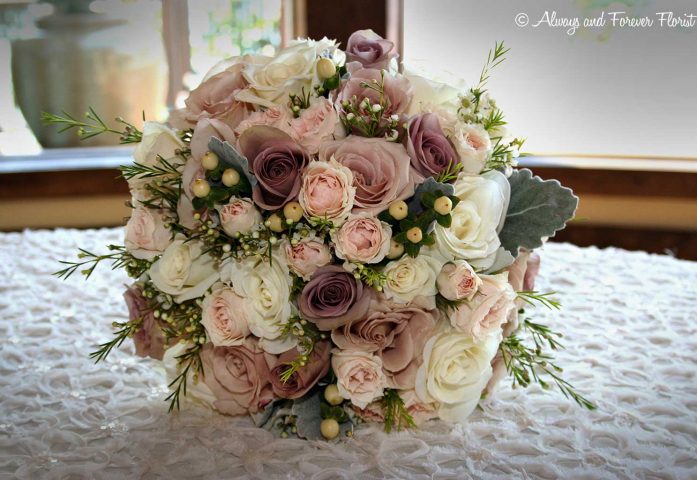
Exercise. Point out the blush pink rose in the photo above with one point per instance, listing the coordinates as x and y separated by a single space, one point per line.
420 411
277 117
149 339
397 90
362 239
185 208
381 170
305 257
488 311
239 377
223 317
327 191
359 375
146 233
458 281
521 276
315 125
238 216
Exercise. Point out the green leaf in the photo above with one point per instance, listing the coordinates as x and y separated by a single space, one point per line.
412 249
538 208
199 203
444 220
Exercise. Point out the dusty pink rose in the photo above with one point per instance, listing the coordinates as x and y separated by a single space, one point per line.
215 98
277 117
394 332
521 276
488 311
315 125
458 281
238 216
239 377
185 208
277 162
370 49
359 375
205 129
373 412
149 340
498 366
146 233
397 91
306 377
430 150
420 411
381 170
223 317
362 239
327 191
305 257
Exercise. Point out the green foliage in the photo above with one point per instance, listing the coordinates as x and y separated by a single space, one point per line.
120 258
532 296
93 126
189 361
126 330
394 411
448 306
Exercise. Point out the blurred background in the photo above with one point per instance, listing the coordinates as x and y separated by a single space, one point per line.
609 111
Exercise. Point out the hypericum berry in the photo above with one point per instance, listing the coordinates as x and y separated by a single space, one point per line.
415 235
275 223
396 250
210 160
443 205
231 177
399 210
332 395
293 211
201 188
325 68
329 428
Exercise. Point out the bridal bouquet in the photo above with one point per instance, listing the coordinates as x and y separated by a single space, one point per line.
319 240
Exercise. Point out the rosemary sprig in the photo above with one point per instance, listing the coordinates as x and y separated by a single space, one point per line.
307 334
163 167
188 361
120 258
493 60
532 296
394 411
93 126
450 173
127 329
447 306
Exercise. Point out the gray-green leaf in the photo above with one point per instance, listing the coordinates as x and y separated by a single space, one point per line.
309 418
538 208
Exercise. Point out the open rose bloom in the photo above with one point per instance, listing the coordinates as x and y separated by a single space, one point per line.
318 228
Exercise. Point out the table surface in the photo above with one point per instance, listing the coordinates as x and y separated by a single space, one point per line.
630 321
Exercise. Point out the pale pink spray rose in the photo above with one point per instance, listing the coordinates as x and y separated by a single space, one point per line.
381 170
149 339
362 239
458 281
146 233
315 125
306 256
327 191
277 117
223 317
419 410
239 377
370 49
360 378
488 310
239 215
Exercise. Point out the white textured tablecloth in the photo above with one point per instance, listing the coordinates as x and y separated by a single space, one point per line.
630 321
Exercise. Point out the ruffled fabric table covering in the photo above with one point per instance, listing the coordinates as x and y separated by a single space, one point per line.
630 324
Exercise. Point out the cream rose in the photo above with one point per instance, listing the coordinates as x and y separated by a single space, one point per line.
146 233
265 287
454 372
305 257
488 310
238 216
476 220
362 239
472 144
158 140
360 378
458 281
409 276
327 191
184 271
196 388
223 317
431 94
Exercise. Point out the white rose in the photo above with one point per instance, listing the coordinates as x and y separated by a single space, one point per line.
359 375
472 143
223 317
476 220
146 233
454 372
409 276
265 287
488 310
157 140
184 271
458 281
196 388
239 215
432 94
292 69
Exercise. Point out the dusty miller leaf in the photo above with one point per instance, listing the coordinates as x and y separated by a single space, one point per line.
309 418
538 208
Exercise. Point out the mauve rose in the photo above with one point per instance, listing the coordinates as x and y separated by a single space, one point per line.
458 281
429 149
316 124
397 91
277 117
306 377
306 256
277 162
334 297
238 215
381 170
393 331
149 340
239 377
370 49
362 239
215 98
327 191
